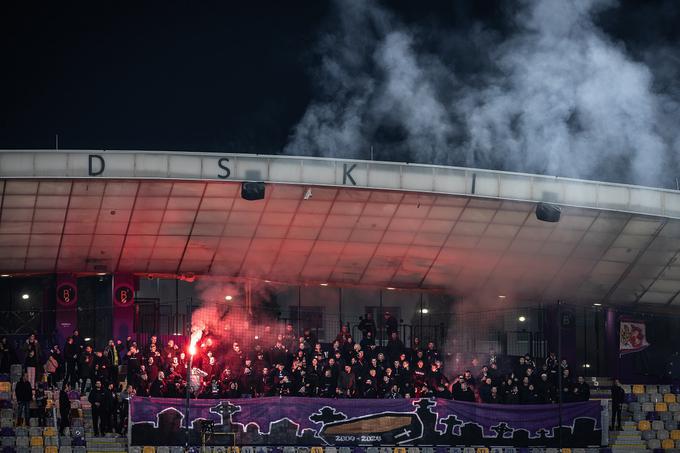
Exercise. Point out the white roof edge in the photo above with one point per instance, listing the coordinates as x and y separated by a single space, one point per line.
321 171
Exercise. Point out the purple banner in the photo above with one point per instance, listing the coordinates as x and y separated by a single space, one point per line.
313 421
67 299
123 305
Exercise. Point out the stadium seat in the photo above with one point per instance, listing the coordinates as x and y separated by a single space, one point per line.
65 441
176 449
79 449
644 425
316 450
36 441
635 407
206 450
35 431
8 441
22 441
661 407
638 389
642 398
669 398
238 450
653 443
667 444
469 450
675 434
5 387
50 441
52 449
647 407
662 434
648 435
65 449
481 450
37 449
670 425
656 397
331 450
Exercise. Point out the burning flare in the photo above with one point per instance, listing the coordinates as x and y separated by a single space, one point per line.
196 335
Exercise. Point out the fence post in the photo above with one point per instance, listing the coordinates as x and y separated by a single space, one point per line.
559 369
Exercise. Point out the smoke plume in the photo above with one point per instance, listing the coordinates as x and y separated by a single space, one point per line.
550 93
222 320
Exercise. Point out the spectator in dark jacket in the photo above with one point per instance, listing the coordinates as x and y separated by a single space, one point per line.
71 355
64 408
24 394
85 367
618 398
41 404
581 390
346 382
464 394
98 398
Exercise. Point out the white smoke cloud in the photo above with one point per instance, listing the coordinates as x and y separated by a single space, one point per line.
559 97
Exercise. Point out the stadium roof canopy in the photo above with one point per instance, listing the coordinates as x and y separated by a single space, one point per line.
469 232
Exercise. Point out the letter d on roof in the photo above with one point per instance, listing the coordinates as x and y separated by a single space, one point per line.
90 165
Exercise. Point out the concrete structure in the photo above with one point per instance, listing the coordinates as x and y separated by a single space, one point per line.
469 232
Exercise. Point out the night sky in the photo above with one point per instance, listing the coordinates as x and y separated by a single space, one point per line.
238 77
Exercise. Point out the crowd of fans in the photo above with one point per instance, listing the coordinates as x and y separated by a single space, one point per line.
279 364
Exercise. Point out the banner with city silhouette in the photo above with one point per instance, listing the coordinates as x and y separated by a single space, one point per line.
338 422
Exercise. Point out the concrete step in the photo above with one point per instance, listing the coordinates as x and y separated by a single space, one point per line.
106 440
90 450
